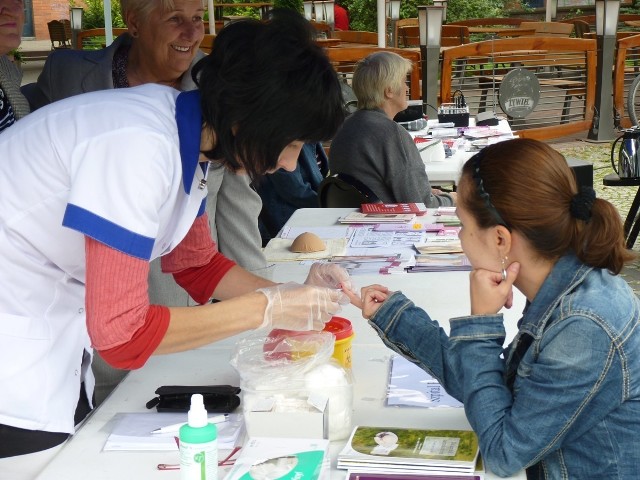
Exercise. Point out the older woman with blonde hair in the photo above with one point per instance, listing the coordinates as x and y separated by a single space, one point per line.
373 148
161 46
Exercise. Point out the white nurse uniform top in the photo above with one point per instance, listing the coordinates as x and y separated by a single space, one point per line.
120 166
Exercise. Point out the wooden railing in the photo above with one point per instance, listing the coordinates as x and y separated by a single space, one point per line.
565 69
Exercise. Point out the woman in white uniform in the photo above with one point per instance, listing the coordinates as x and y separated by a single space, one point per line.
125 183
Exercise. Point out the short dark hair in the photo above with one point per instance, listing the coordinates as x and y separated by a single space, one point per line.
264 85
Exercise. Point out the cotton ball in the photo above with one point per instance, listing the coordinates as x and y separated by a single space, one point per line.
333 381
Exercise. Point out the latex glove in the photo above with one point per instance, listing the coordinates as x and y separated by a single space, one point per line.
300 307
329 275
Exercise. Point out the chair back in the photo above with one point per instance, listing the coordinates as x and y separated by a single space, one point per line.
356 36
207 43
408 36
489 22
580 27
59 33
453 35
549 29
403 22
322 29
344 191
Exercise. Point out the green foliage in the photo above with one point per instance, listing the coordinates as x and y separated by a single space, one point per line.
362 13
16 53
93 16
463 9
290 4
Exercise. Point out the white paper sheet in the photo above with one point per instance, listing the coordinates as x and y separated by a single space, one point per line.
132 431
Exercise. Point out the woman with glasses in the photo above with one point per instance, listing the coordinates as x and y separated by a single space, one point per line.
563 399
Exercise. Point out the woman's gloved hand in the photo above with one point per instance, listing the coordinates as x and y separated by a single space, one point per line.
292 306
329 275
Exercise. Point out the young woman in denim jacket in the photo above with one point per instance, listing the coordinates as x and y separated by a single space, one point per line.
563 400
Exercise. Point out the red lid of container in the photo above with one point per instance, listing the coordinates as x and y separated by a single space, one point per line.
340 327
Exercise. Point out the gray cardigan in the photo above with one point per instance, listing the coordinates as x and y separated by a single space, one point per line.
233 206
10 78
381 154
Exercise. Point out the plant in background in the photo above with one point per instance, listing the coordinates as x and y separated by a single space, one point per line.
93 16
16 55
290 4
362 13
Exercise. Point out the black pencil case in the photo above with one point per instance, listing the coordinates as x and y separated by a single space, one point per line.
177 398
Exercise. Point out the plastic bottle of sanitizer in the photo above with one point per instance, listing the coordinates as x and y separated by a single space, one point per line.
198 444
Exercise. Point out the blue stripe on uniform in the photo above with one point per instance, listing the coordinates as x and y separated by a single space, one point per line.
189 121
203 207
107 232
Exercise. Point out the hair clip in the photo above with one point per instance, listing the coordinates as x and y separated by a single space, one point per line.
483 193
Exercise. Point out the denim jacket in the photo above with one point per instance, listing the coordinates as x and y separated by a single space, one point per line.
563 400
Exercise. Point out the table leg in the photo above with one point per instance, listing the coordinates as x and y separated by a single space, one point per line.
632 222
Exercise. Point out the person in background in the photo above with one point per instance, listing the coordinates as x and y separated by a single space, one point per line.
568 385
340 16
283 192
161 46
13 105
76 250
373 148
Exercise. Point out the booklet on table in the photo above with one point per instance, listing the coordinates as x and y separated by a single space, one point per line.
387 449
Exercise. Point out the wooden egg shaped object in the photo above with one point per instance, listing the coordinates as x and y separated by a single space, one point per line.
307 242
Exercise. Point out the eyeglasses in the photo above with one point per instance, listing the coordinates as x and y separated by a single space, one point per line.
483 193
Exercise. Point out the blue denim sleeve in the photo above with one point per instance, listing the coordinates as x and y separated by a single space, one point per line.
563 387
409 331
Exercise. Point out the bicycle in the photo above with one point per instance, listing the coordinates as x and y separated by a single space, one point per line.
633 101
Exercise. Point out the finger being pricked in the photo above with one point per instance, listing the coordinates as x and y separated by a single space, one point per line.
372 297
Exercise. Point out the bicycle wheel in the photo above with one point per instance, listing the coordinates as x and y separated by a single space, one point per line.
633 101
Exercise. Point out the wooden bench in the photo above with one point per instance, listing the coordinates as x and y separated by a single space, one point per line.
356 36
489 22
550 29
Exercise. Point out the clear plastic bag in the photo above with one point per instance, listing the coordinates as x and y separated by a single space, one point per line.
280 358
287 367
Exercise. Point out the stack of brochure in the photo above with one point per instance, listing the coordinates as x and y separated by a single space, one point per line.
439 244
404 450
359 217
440 262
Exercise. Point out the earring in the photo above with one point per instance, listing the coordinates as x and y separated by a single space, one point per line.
504 268
134 34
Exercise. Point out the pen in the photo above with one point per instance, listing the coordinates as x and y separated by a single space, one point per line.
175 427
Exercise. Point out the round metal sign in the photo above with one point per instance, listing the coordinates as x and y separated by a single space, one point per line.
519 93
